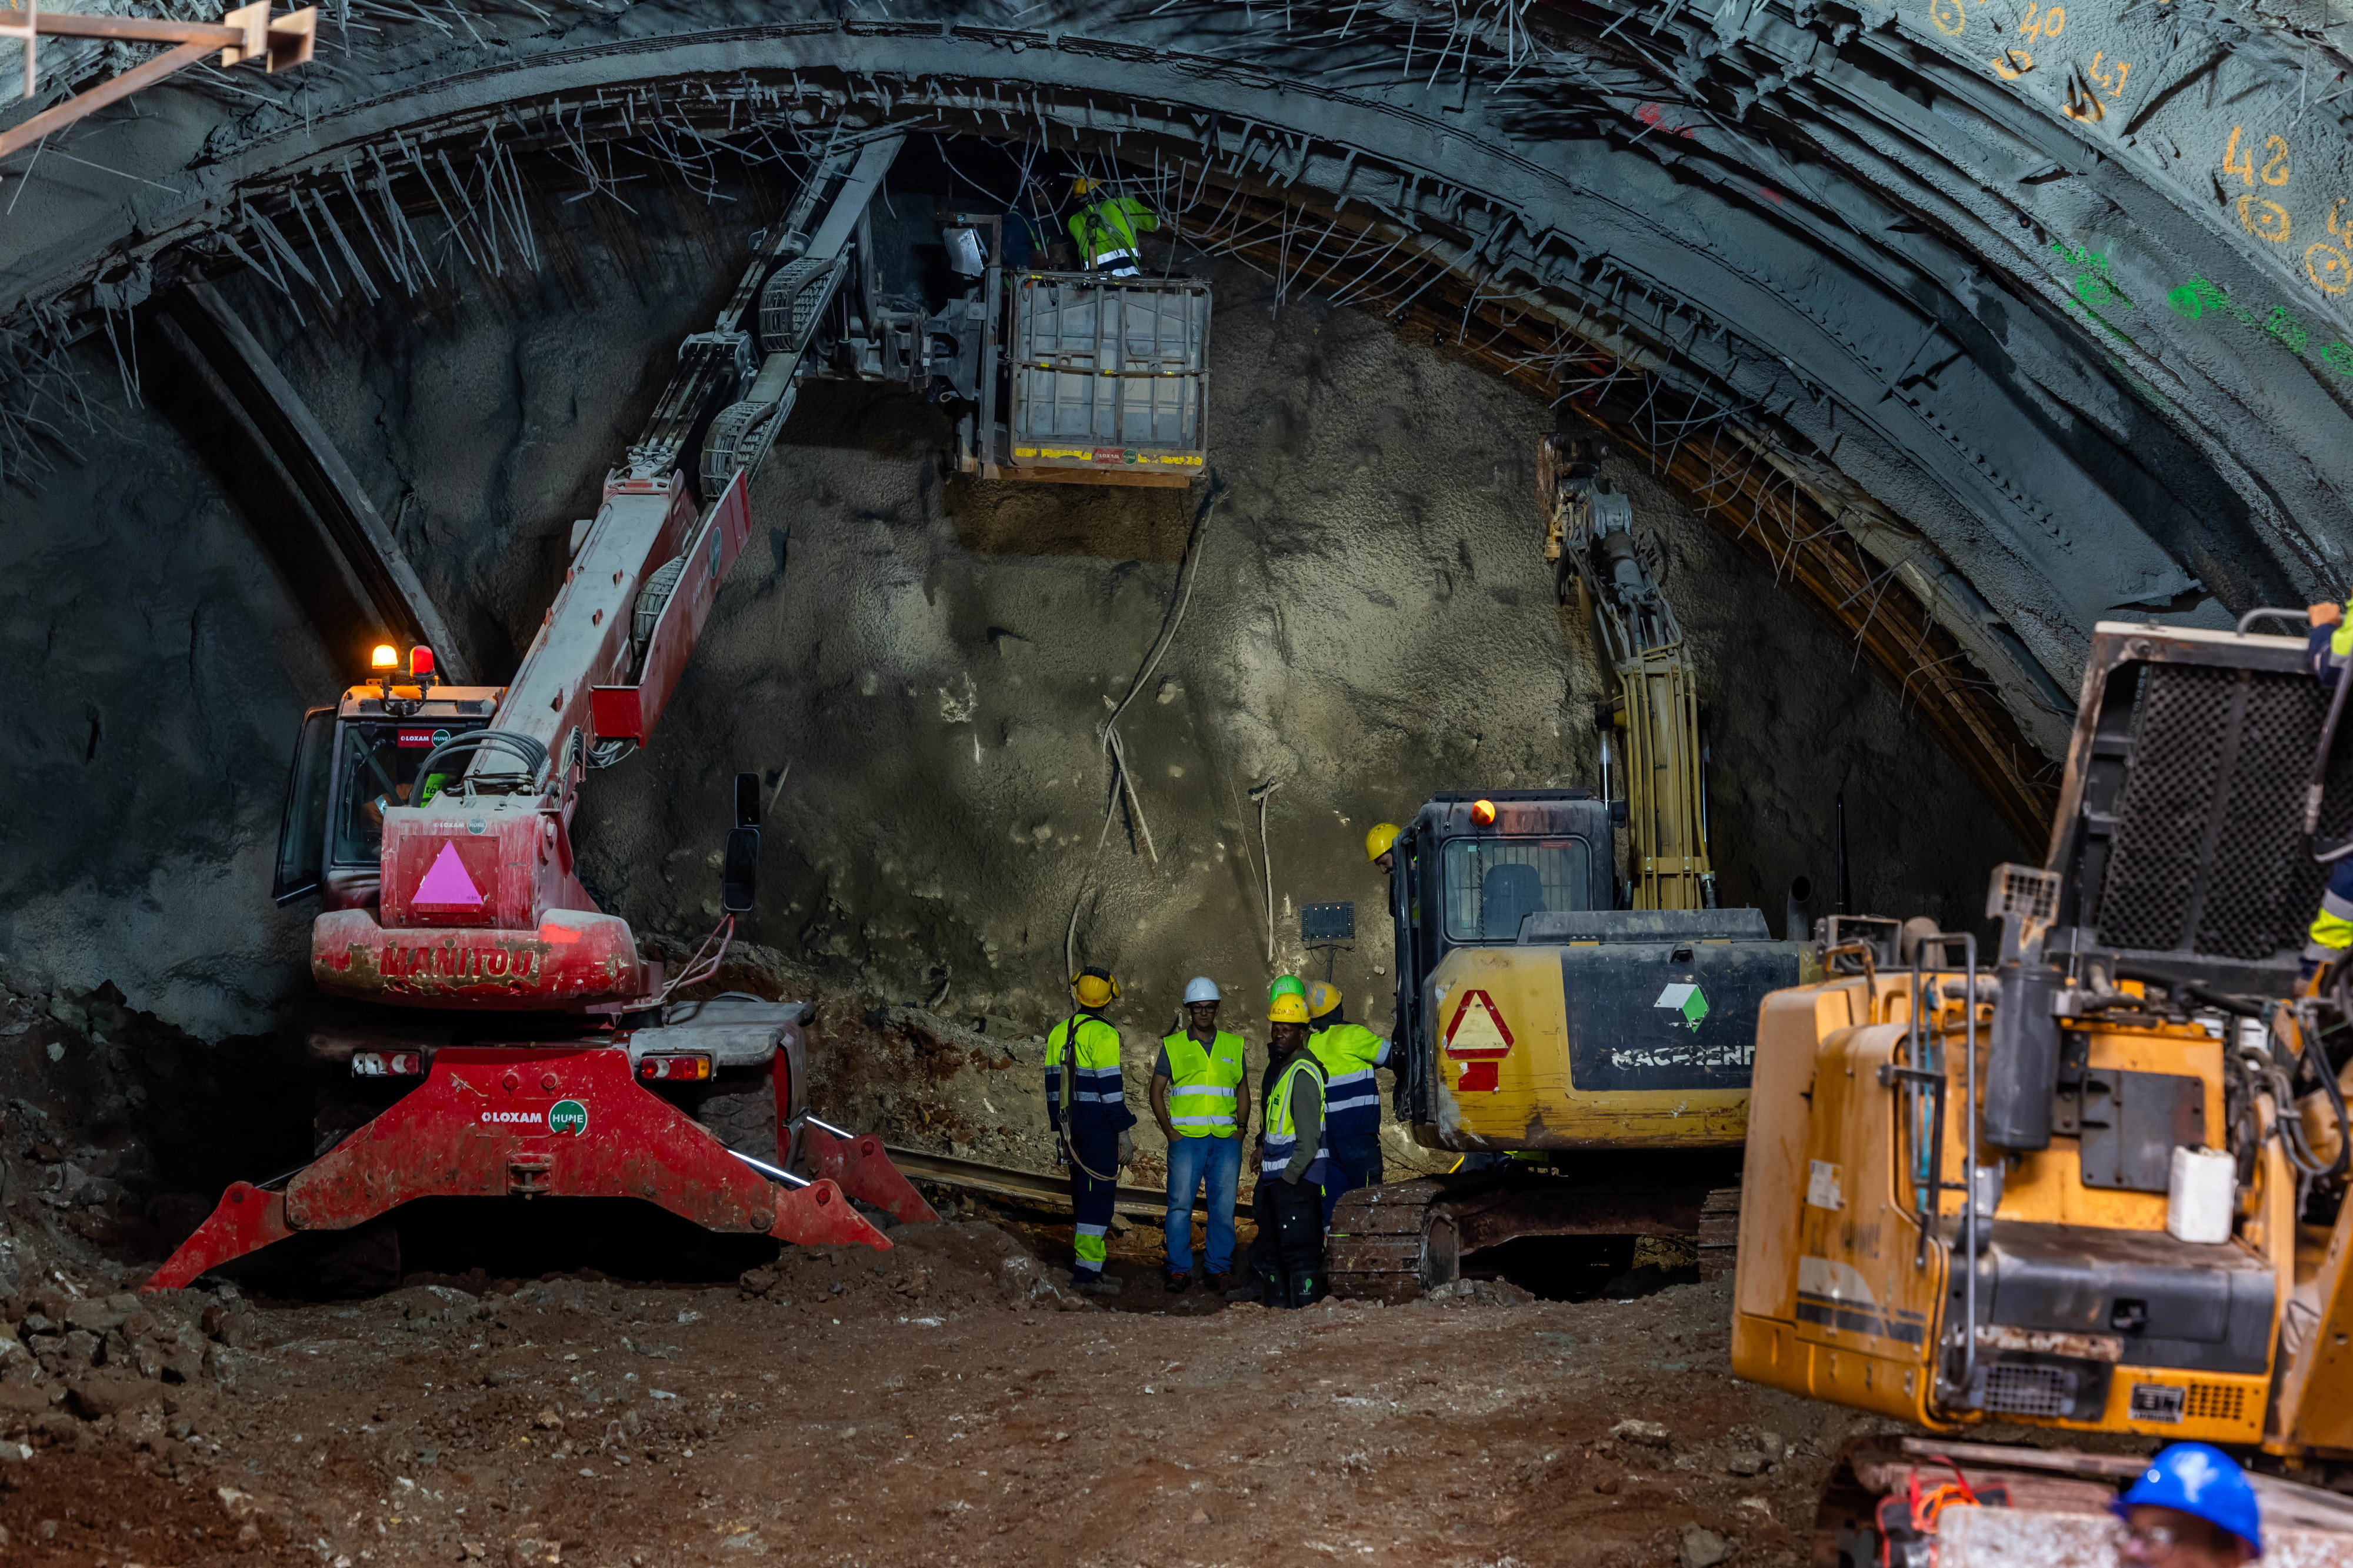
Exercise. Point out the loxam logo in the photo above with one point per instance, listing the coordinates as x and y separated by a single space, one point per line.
566 1116
514 1118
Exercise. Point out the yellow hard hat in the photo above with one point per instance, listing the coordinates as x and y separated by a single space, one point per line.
1081 186
1286 1009
1093 987
1379 840
1322 997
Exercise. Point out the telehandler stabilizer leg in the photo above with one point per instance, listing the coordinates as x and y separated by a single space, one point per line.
564 1121
858 1163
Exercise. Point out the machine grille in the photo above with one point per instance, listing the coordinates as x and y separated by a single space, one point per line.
2029 1390
2215 1402
2213 807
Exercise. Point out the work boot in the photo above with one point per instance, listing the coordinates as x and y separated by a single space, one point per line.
1096 1285
1223 1282
1302 1290
1178 1281
1258 1288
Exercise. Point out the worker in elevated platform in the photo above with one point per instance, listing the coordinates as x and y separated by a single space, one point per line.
2331 934
1351 1100
1197 1098
1109 228
1086 1107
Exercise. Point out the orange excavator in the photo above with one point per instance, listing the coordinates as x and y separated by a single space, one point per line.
516 1043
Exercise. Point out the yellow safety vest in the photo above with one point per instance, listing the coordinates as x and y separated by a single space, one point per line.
1203 1084
1092 1091
1347 1054
1282 1137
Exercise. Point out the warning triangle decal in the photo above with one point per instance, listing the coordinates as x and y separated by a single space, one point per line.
1479 1039
445 882
1478 1029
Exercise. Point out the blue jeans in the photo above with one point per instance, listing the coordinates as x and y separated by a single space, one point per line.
1192 1161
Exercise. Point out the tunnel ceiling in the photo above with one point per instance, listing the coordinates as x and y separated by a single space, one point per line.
1982 321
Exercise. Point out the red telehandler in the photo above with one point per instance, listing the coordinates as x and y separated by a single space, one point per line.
434 824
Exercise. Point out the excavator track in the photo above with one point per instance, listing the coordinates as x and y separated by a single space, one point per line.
1394 1242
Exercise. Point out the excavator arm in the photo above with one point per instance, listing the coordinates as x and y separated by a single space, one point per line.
1652 727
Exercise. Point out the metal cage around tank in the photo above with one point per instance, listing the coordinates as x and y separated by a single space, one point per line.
1108 375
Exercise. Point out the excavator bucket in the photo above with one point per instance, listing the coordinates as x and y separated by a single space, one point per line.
545 1123
859 1165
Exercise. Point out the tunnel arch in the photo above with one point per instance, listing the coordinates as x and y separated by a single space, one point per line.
1879 280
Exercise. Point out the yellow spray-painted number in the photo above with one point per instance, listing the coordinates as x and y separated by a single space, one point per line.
2011 64
2275 159
2049 24
2111 78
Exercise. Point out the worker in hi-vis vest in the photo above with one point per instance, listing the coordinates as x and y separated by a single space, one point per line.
2330 650
1107 229
1292 1163
1197 1097
1352 1101
1086 1106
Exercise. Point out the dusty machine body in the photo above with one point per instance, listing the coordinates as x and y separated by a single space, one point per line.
1581 1035
514 1040
2091 1181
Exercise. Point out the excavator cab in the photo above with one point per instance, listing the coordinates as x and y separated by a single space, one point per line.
1537 1016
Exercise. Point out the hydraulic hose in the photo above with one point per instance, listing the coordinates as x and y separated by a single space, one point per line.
534 754
2222 1000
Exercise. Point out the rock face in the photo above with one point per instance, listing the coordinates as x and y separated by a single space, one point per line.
1370 620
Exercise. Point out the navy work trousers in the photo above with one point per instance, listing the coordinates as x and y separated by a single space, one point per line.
1090 1199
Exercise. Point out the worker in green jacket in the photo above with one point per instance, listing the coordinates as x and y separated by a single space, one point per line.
1108 228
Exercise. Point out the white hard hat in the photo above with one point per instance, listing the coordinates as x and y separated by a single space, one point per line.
1201 988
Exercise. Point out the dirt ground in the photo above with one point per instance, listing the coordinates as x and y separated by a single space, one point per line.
943 1402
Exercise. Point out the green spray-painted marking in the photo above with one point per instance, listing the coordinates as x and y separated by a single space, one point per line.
567 1116
2202 297
2095 291
2095 287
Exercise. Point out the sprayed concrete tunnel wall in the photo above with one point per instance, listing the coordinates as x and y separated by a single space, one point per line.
930 657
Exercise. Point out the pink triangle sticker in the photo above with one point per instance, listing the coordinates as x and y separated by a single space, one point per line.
446 882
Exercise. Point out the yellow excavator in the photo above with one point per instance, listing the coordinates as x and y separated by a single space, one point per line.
1581 1036
2091 1181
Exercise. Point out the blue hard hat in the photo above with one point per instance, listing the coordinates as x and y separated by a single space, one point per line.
2204 1482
